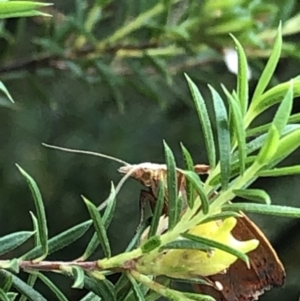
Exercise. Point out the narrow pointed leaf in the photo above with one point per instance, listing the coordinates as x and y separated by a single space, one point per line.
221 216
102 288
139 296
6 284
172 187
217 245
78 274
3 296
110 208
16 9
239 131
61 240
198 186
57 292
5 91
31 282
12 296
287 145
234 170
90 297
264 128
269 69
91 247
274 96
107 218
223 137
199 297
277 210
256 143
205 122
40 212
270 147
157 210
11 241
242 77
256 195
186 244
99 226
189 165
36 229
23 288
279 172
284 111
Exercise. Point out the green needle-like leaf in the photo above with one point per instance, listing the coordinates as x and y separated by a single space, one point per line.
5 91
58 293
6 284
256 195
287 145
265 209
90 297
205 122
12 241
186 244
274 96
40 212
61 240
198 186
189 165
270 147
107 218
139 296
3 296
199 297
284 111
172 187
78 274
99 226
23 288
217 245
110 208
269 69
221 216
16 9
223 137
242 77
102 288
279 172
238 128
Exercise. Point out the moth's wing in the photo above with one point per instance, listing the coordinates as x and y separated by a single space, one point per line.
240 283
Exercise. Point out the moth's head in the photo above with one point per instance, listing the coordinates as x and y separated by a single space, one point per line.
145 173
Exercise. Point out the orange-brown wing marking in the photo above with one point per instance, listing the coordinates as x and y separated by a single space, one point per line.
243 284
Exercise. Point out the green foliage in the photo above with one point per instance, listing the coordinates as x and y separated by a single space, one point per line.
230 175
277 144
17 9
138 45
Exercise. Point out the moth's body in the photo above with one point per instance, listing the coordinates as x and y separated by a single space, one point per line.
238 283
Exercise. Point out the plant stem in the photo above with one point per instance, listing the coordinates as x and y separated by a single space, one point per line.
52 265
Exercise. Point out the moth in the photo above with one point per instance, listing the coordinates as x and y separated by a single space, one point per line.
239 283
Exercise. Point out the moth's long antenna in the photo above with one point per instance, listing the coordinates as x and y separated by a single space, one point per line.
77 151
119 186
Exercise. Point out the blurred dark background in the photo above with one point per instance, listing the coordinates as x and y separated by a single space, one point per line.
122 98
